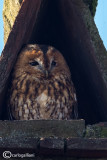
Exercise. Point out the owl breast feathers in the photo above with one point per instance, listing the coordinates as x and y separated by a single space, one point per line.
41 86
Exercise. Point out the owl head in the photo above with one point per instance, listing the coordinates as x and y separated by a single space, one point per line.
41 62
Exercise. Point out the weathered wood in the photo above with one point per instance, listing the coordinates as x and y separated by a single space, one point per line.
28 143
42 128
52 146
56 23
50 138
82 56
59 23
66 30
87 143
19 36
87 148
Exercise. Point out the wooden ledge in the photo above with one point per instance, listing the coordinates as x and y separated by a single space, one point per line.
50 138
42 128
73 147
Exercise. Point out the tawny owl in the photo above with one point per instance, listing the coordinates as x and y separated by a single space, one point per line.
41 86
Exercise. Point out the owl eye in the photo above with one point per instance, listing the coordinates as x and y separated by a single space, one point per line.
53 63
34 63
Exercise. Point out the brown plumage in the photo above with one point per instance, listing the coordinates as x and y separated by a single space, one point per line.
41 86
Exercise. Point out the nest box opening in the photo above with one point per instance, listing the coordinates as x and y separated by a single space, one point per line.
59 24
64 30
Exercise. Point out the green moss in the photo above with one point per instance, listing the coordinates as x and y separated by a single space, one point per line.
104 132
93 131
96 131
92 5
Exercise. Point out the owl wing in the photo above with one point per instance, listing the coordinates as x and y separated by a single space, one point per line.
74 114
9 113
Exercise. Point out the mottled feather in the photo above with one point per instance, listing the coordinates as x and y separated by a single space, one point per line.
41 86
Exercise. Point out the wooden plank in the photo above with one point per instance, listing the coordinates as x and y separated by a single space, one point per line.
42 128
90 85
28 143
87 143
50 138
87 148
53 146
27 146
19 36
